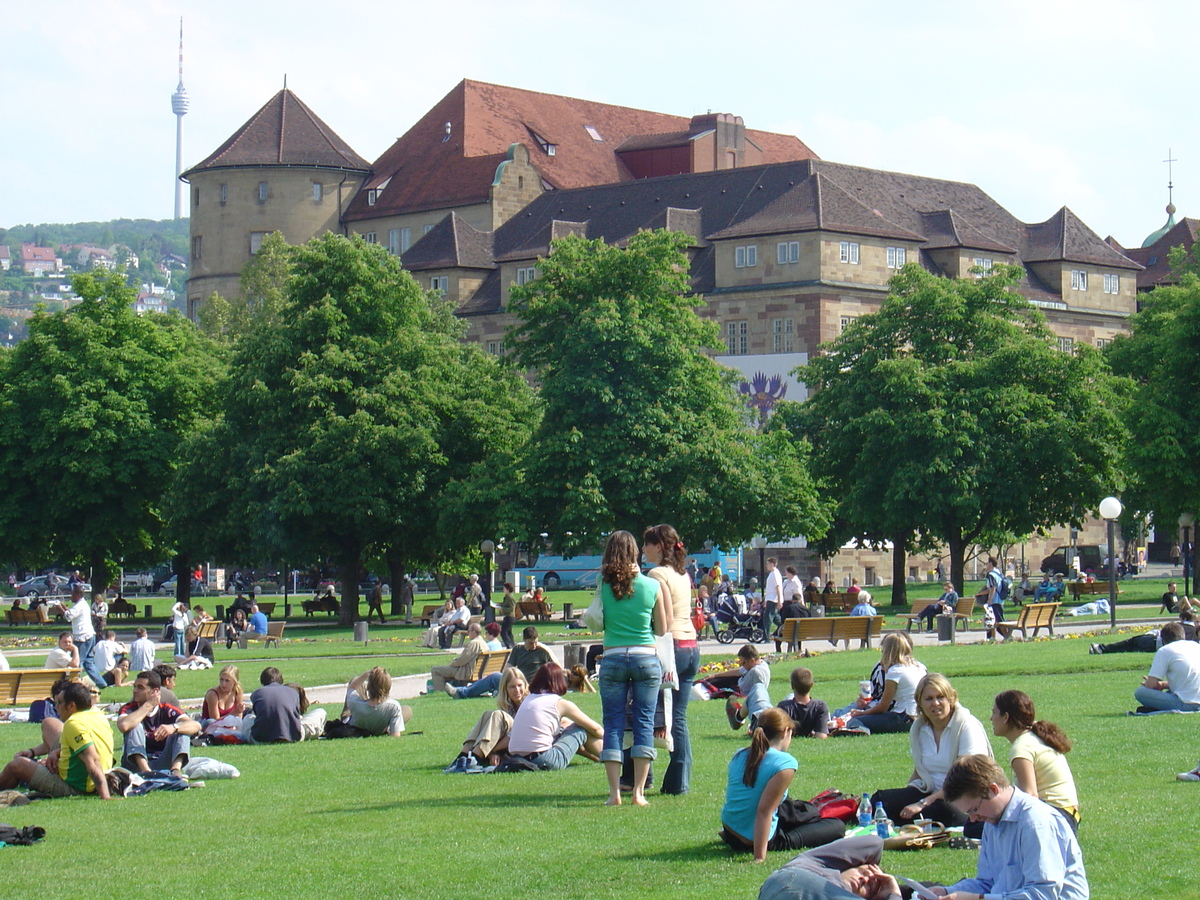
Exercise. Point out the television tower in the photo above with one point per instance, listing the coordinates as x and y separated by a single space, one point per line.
179 106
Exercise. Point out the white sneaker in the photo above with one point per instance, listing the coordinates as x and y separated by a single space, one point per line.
1188 776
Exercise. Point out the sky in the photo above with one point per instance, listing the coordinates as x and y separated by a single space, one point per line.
1042 104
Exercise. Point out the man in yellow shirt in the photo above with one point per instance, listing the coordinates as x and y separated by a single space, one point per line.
84 754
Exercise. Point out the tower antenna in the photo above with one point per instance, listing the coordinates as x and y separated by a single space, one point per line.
179 106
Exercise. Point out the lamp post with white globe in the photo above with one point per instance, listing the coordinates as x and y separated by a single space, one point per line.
1110 511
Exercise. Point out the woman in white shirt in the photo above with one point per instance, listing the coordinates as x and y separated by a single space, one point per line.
896 709
943 731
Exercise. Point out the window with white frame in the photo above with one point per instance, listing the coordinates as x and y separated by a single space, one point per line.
372 196
197 247
262 192
526 274
1078 280
787 252
440 283
1112 284
745 257
1066 345
224 194
318 191
848 252
1101 343
495 348
425 229
783 331
405 239
256 239
394 241
983 263
737 339
369 237
844 323
895 257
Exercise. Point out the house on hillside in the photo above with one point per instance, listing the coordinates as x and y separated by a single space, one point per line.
5 258
39 261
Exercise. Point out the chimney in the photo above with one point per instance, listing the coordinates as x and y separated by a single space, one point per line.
729 151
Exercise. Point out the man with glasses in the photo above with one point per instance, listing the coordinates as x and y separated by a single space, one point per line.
1028 849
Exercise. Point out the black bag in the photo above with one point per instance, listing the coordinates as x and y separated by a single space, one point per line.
793 813
339 729
21 836
515 764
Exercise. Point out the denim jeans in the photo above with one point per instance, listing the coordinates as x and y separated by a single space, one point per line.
135 745
480 687
87 660
882 723
1162 700
624 676
679 770
565 747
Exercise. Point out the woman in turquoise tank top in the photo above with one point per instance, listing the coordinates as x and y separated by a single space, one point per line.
635 610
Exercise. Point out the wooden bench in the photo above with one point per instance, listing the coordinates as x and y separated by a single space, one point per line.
462 635
488 663
321 604
839 600
267 608
1088 588
39 616
918 607
208 630
1033 615
121 608
20 687
430 611
831 628
534 609
274 633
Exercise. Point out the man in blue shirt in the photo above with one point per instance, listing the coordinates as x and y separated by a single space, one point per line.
258 620
1028 851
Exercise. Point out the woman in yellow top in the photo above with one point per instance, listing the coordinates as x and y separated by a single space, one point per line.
1037 754
665 551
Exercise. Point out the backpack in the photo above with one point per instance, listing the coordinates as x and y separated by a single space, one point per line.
1005 590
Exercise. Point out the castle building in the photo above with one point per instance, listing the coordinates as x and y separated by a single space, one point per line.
1154 254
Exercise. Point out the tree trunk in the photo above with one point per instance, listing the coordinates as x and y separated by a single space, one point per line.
957 548
182 567
397 565
900 569
350 566
100 575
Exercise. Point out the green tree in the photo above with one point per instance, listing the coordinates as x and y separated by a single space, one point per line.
340 418
950 414
261 299
93 407
640 425
1161 354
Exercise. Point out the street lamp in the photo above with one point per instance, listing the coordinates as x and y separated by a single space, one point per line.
1110 511
761 544
1185 522
488 547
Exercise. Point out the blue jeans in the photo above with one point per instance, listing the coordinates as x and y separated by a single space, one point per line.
87 661
679 770
625 676
135 745
882 723
565 747
1162 700
480 687
180 642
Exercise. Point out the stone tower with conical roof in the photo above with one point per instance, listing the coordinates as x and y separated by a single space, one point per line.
283 170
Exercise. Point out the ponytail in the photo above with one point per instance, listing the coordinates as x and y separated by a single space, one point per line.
759 745
1052 736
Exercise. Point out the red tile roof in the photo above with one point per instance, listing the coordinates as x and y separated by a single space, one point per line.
1155 257
431 172
30 253
284 132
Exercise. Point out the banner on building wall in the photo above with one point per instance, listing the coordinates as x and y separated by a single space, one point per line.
767 379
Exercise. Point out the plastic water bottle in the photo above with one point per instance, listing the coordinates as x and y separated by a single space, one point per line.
864 811
882 825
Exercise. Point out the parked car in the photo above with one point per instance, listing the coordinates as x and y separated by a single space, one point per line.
199 588
1091 559
45 586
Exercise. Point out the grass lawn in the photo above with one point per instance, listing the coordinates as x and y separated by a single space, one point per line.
377 816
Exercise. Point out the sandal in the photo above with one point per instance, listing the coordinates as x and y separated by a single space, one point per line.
961 842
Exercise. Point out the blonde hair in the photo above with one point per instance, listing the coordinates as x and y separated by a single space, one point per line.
895 650
379 684
941 684
232 672
503 701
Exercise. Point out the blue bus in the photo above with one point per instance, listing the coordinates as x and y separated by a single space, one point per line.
553 571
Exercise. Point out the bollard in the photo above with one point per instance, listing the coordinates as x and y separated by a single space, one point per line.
220 613
287 610
149 614
360 631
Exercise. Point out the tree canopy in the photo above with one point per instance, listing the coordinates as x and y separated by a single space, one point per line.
640 425
93 408
951 416
1161 354
346 416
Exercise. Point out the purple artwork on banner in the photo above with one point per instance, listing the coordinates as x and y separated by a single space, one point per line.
762 392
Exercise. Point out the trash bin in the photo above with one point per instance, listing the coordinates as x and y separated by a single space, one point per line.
818 612
573 655
360 631
945 627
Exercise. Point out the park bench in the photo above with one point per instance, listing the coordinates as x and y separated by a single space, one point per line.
962 612
462 635
918 607
429 612
39 616
208 630
267 608
20 687
121 608
1033 615
488 663
320 604
274 633
831 628
534 609
839 600
1088 588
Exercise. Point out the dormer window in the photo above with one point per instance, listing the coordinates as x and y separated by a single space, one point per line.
547 147
372 196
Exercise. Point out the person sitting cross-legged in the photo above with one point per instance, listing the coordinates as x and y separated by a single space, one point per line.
487 742
369 708
84 754
157 735
537 732
1174 679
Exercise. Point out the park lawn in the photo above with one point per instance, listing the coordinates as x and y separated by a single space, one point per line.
378 816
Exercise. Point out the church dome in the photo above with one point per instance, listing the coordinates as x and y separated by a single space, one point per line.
1155 236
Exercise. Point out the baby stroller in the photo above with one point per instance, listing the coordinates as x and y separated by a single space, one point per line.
732 624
